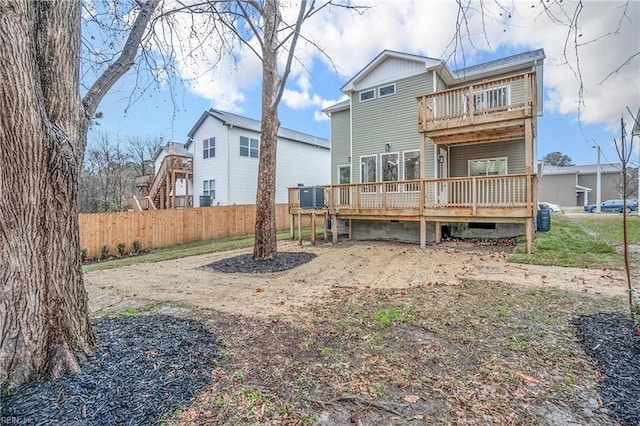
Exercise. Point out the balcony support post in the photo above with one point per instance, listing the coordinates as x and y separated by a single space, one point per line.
528 145
423 232
292 223
529 235
438 232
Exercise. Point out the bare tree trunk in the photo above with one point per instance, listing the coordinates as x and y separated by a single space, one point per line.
265 246
44 321
44 317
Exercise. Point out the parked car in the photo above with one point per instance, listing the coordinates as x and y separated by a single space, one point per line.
552 207
612 206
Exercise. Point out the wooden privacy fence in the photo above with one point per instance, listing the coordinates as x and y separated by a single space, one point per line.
163 228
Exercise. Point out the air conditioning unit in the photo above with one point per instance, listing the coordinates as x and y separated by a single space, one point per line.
312 197
205 200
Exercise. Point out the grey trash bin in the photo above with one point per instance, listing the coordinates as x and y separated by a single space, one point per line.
543 220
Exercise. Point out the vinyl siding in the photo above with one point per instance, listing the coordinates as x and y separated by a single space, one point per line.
610 186
210 168
236 177
513 150
558 189
429 155
340 141
391 119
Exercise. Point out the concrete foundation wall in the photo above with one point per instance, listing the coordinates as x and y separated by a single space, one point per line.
502 230
408 232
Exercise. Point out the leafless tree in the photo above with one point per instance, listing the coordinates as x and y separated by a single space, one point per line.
141 151
251 21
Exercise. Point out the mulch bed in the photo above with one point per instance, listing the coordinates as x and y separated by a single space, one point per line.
610 340
144 367
245 264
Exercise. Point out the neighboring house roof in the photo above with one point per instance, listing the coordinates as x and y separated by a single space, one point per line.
235 120
174 148
583 170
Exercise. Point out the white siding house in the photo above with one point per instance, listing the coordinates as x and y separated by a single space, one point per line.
225 149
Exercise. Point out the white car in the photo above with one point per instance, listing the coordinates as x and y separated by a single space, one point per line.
552 207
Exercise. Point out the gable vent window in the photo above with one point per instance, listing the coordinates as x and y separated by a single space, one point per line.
367 95
386 90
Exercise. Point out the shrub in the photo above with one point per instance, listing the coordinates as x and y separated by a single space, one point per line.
104 252
137 246
83 254
121 248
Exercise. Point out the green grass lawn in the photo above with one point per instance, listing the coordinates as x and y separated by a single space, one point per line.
581 241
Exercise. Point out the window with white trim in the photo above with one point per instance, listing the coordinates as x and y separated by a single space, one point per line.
209 188
368 170
389 166
488 167
367 95
248 147
411 165
387 90
411 168
209 148
390 169
344 174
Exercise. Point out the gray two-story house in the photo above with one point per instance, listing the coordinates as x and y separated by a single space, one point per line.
418 149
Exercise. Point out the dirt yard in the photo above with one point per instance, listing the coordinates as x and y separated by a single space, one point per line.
362 265
384 333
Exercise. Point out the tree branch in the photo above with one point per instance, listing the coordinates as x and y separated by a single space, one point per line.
124 62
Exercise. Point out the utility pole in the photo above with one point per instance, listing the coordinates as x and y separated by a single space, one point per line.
598 184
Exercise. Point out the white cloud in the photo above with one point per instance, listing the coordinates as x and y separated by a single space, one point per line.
351 40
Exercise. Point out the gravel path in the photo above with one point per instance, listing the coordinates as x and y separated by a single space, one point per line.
144 367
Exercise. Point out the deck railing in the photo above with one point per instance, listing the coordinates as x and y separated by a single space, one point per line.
486 192
464 103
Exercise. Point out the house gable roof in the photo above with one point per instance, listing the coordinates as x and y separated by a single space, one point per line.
389 65
340 106
235 120
498 65
171 147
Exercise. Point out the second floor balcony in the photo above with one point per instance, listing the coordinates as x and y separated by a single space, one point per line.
483 111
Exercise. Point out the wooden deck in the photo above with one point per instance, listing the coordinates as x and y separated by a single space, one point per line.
159 191
493 110
500 199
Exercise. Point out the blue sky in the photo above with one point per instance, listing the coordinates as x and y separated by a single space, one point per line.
422 28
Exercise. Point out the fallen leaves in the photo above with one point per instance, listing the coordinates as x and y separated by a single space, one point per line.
528 379
411 399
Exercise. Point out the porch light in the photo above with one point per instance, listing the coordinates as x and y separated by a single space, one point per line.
387 146
440 158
